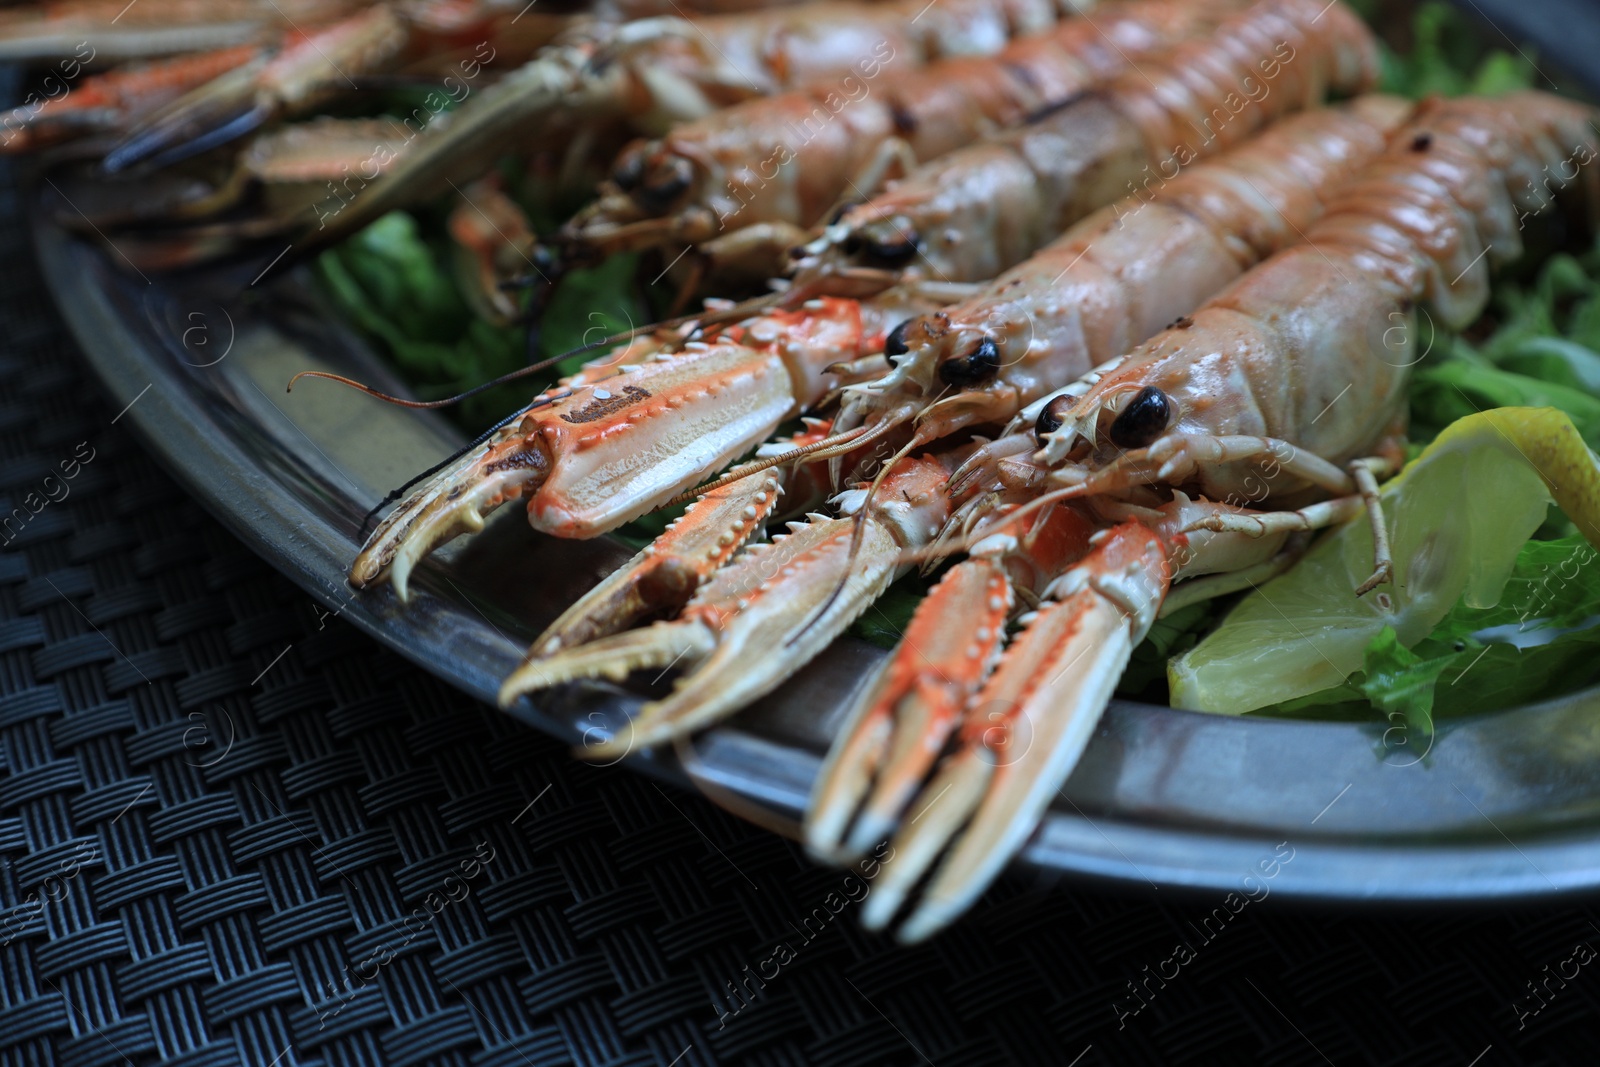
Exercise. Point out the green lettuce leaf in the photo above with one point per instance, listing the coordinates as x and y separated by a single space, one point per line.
1146 674
886 620
1399 681
1540 640
1448 390
1539 345
1447 58
397 287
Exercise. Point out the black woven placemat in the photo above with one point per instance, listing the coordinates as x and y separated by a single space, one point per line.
232 830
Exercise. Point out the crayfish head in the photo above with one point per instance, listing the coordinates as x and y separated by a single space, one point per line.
653 176
645 203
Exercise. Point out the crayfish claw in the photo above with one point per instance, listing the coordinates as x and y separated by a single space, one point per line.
453 502
1022 734
758 619
662 578
945 808
663 645
245 98
219 111
895 734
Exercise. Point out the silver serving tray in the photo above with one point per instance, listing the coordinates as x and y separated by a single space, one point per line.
1503 805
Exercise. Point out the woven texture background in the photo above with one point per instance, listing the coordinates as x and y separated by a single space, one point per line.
217 811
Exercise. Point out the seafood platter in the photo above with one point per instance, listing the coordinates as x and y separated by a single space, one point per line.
1135 440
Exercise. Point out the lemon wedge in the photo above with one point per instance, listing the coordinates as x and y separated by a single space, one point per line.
1457 516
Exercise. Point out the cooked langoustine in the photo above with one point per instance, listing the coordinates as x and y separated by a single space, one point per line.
1154 268
1240 402
657 72
296 54
304 71
448 39
314 166
1218 220
192 29
1118 276
749 181
972 213
725 396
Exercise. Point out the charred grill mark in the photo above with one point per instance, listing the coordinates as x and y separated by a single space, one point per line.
600 408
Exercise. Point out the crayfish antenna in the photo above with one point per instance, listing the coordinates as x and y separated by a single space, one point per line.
509 376
399 401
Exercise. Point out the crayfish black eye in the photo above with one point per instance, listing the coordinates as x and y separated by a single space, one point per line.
897 252
979 365
887 243
666 182
629 171
1143 420
895 343
1051 416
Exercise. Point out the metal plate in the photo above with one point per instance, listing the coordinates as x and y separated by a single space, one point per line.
1504 805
